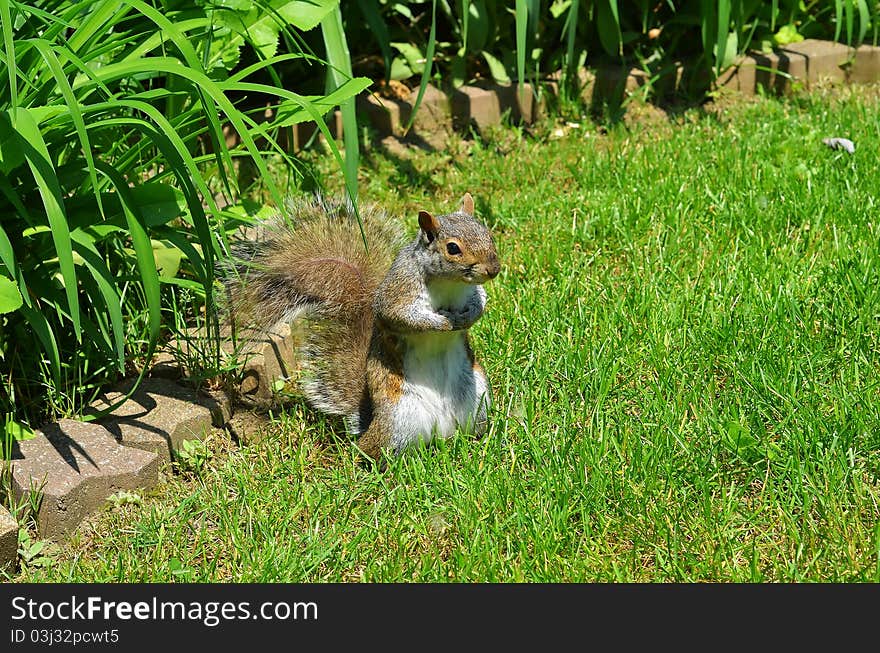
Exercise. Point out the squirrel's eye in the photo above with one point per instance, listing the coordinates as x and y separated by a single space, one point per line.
453 249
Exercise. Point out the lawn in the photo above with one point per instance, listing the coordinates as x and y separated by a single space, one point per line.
683 344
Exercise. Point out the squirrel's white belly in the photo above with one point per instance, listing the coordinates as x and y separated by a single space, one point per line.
442 390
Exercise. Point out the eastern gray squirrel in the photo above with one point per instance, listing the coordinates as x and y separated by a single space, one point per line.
386 327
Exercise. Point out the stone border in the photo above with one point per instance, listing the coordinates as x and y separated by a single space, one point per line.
76 466
808 62
482 105
8 541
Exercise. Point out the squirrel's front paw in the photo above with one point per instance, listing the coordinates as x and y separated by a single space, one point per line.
448 320
459 320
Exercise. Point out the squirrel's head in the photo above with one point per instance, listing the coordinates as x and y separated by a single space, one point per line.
463 247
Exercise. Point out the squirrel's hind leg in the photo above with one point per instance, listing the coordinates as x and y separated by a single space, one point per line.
377 437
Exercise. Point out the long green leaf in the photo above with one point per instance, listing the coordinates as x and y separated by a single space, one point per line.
93 23
708 28
465 12
247 71
169 30
864 19
72 103
9 49
429 64
180 161
37 321
178 158
290 113
875 21
340 72
608 25
373 16
571 20
522 23
40 163
172 66
224 161
534 13
106 282
721 34
850 20
615 12
140 240
300 100
7 253
838 18
157 38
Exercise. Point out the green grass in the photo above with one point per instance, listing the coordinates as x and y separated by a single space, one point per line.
683 344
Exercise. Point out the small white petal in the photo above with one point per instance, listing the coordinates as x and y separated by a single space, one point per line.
840 144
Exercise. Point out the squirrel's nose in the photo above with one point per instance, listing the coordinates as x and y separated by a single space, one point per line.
493 267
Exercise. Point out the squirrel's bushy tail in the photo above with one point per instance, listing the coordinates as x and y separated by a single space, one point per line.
310 263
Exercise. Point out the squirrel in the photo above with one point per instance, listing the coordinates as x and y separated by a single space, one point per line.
386 342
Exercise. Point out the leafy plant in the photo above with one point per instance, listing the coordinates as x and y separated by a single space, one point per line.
34 552
125 497
113 157
192 456
478 39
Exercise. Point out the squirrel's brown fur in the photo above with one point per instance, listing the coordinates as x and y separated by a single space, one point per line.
386 333
310 262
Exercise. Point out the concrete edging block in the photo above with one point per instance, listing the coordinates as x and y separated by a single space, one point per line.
808 62
389 116
8 541
75 466
158 417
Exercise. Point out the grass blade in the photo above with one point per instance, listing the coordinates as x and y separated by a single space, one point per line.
615 13
172 66
92 25
185 169
38 322
465 12
608 25
7 254
166 27
708 27
302 101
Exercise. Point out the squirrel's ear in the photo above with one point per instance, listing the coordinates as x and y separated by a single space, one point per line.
429 225
467 204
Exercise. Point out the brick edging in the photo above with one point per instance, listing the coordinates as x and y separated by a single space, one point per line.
482 105
75 465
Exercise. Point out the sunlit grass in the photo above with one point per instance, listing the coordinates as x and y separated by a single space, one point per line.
683 344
